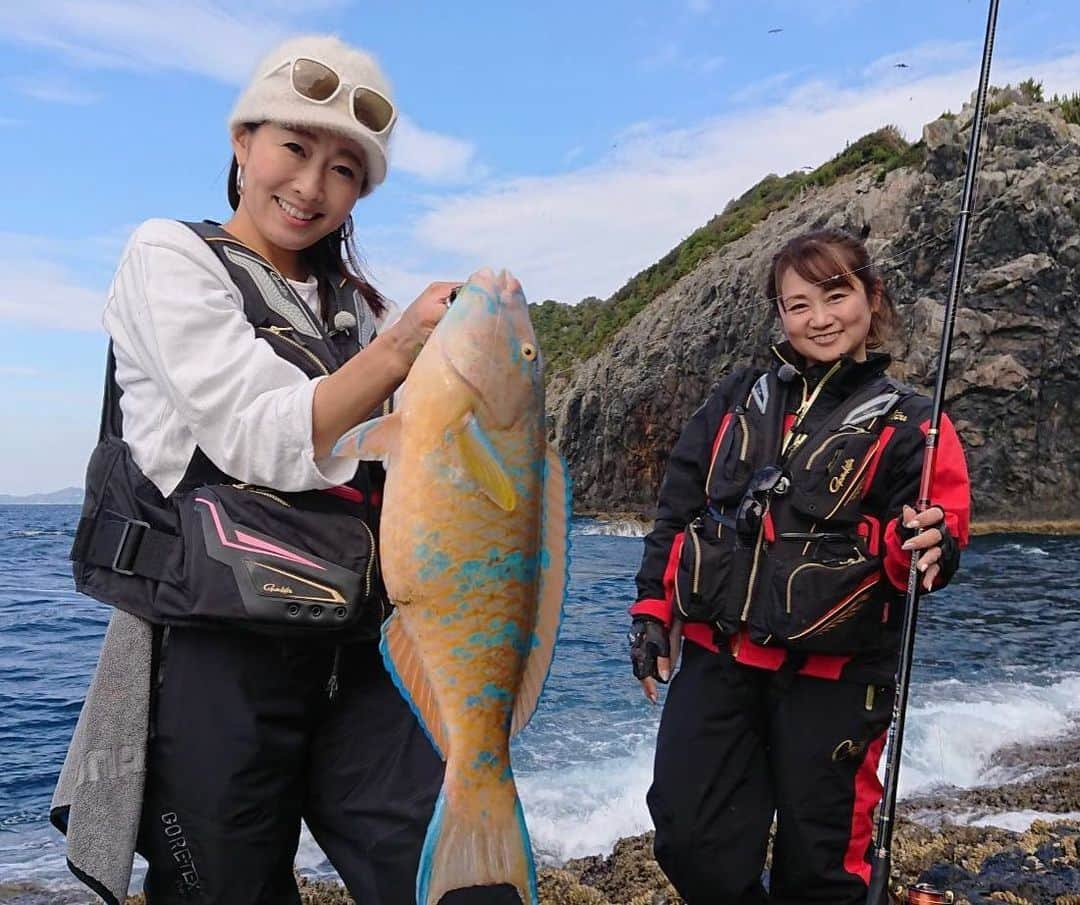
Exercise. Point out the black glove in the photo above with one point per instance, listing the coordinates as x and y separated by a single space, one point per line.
950 549
648 639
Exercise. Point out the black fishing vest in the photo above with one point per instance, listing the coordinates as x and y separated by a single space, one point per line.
217 550
784 545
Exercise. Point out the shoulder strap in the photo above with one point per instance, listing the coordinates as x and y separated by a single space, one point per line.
867 408
269 300
112 418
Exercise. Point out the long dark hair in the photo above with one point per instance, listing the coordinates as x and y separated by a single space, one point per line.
831 258
333 260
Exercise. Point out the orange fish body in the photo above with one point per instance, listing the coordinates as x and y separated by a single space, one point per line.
473 544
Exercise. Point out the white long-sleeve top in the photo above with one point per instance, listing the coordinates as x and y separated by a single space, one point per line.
193 372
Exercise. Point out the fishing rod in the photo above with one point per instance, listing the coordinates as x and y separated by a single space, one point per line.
881 858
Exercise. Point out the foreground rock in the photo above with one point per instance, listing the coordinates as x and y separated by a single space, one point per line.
981 865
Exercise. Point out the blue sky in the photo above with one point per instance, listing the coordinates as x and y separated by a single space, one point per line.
572 142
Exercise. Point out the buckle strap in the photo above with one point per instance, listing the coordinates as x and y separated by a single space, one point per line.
127 546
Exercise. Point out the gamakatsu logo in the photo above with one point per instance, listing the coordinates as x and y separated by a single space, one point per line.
272 588
837 483
188 881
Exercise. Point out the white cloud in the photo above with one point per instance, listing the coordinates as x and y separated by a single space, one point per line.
199 37
46 284
585 232
762 90
922 60
18 371
671 55
431 156
53 90
208 39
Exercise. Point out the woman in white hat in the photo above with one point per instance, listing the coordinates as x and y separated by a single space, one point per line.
239 354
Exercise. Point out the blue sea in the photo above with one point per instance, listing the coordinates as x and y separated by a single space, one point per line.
998 663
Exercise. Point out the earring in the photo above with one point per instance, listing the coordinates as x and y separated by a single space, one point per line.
239 180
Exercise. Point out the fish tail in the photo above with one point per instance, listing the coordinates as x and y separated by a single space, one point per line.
465 847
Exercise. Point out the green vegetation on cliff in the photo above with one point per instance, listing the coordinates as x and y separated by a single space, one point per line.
571 332
1069 105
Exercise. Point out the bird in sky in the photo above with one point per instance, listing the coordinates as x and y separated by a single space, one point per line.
901 65
775 31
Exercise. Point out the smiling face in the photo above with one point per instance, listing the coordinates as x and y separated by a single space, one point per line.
824 321
299 185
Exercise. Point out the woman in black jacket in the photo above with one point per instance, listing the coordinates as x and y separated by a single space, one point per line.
781 548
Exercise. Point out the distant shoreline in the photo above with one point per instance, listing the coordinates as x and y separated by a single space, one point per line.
982 526
1059 527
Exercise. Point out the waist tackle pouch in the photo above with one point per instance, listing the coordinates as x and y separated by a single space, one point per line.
826 602
280 561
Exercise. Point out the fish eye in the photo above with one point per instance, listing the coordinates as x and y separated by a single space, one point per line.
528 350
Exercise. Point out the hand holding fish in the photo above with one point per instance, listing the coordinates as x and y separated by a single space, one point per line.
422 316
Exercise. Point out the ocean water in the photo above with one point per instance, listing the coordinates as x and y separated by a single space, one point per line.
997 663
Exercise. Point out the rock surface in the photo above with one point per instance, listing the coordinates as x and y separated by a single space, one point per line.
1013 368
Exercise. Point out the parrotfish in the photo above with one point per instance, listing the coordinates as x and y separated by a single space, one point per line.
474 555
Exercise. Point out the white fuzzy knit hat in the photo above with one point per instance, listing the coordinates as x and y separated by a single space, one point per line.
270 97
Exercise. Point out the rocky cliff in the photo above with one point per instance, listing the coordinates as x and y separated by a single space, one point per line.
1014 389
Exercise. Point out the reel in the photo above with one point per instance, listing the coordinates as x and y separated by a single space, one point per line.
925 894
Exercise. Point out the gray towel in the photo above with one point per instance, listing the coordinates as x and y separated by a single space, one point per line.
98 799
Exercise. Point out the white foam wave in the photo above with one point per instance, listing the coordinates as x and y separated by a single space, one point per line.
955 728
1025 548
612 528
951 735
586 809
311 861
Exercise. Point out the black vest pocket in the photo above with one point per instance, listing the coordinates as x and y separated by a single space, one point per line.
829 478
712 576
827 602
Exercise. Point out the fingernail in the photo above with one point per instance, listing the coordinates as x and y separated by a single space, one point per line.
665 674
911 524
907 545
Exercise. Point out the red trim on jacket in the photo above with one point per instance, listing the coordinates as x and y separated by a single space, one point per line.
868 792
720 431
883 441
658 609
661 609
701 634
346 493
950 490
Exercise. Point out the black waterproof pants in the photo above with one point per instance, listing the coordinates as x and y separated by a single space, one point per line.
245 743
738 744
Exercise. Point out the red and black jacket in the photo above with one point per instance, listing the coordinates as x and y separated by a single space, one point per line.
889 480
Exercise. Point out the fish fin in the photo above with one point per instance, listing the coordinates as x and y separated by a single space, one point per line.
375 440
554 573
484 466
406 669
474 848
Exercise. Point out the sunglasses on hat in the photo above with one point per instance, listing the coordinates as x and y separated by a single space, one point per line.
318 83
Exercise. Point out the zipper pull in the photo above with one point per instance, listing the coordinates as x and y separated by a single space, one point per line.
332 683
